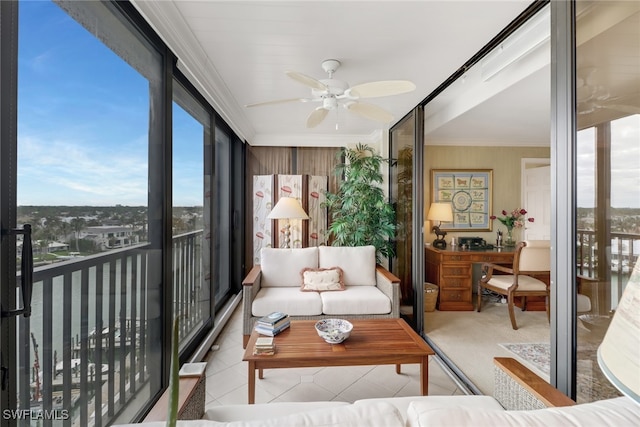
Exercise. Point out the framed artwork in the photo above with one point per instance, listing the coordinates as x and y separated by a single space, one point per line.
470 193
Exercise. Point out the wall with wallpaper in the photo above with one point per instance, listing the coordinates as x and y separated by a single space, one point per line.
506 164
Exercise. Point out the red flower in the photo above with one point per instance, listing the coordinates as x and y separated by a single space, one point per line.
523 212
530 219
492 217
504 212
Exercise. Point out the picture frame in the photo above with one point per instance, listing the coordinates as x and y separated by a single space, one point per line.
470 192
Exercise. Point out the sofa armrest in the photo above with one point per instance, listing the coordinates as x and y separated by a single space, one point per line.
250 288
253 277
389 284
518 388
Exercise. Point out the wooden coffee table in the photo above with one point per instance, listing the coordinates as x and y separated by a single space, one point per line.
372 342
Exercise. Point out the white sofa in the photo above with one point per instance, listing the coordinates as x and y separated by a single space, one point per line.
370 290
429 411
522 400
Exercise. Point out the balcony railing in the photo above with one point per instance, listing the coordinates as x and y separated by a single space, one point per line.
625 248
86 346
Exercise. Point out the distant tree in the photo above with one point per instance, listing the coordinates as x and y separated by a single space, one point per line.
77 224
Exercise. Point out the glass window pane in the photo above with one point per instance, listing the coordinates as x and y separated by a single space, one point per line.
191 215
86 123
608 205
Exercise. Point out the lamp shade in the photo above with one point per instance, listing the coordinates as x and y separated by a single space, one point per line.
440 212
619 352
287 208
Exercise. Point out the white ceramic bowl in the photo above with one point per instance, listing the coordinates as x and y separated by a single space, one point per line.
334 331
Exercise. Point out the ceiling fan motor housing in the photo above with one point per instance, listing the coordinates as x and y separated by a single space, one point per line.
334 87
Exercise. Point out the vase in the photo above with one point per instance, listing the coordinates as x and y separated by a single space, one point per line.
509 240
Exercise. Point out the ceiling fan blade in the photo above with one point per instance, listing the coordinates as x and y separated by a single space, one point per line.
370 111
306 80
382 88
277 101
316 117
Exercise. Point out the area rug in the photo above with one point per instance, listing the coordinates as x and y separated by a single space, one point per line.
536 354
591 383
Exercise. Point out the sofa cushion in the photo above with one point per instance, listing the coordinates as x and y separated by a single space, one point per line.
468 401
286 300
260 411
370 414
358 263
616 412
322 279
282 267
356 300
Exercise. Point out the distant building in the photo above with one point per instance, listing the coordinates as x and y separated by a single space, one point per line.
110 237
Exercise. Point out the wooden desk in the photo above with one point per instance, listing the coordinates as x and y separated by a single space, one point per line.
451 269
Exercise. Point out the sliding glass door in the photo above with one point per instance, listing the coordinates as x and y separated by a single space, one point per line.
608 190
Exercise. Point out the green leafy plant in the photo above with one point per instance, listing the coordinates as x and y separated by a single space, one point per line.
360 214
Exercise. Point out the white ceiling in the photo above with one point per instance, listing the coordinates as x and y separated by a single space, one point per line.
237 53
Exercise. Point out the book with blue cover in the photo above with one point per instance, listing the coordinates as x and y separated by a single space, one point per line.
269 331
272 318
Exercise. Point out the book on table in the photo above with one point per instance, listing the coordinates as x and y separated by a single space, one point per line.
264 346
270 330
272 318
276 325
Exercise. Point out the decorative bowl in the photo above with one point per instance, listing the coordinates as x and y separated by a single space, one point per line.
334 331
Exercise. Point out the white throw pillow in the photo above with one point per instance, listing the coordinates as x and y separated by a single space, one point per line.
322 279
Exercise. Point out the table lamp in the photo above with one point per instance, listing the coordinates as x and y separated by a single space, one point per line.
619 352
287 208
440 212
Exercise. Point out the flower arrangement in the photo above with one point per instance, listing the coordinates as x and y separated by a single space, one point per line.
515 219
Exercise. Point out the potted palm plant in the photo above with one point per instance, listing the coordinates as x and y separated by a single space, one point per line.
359 212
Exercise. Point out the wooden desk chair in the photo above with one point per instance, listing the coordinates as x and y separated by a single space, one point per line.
531 258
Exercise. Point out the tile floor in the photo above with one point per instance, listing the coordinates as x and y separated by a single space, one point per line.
227 377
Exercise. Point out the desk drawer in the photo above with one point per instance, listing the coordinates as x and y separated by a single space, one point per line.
454 258
506 258
455 282
455 270
451 295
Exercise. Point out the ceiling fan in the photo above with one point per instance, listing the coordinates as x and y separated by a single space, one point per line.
333 93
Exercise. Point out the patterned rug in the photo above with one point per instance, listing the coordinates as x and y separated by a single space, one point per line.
591 383
536 354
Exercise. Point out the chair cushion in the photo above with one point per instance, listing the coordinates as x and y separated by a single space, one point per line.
356 300
617 412
286 300
525 283
322 279
282 267
358 263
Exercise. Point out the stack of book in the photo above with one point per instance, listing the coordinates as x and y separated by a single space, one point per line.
264 346
272 324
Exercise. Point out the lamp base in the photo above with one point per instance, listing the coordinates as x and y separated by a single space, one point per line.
440 244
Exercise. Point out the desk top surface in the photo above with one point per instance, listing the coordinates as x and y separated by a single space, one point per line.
457 250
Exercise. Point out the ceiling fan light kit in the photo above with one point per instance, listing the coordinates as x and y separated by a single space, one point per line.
333 93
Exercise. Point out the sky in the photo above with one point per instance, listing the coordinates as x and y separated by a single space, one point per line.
83 126
625 164
83 117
